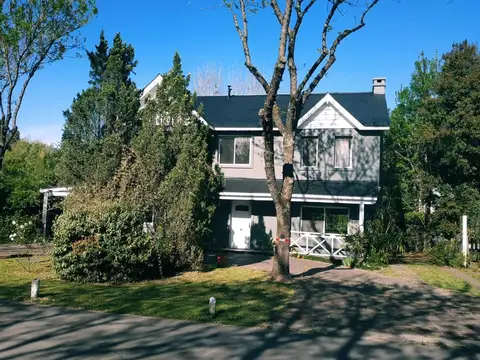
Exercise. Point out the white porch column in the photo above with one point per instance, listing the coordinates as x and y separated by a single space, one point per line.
361 217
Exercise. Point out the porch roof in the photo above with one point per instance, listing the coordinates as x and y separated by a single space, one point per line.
305 187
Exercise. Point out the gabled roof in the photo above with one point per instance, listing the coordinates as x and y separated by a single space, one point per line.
242 111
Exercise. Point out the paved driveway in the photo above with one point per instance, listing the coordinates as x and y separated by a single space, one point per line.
33 332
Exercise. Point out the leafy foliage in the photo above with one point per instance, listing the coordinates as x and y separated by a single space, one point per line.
166 178
33 34
446 253
103 119
102 240
432 151
377 246
28 166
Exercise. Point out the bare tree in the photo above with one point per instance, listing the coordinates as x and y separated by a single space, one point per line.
210 79
290 18
33 34
207 80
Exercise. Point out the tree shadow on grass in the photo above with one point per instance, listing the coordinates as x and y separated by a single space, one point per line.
340 320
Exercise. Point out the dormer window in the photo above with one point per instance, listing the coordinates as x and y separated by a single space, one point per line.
234 150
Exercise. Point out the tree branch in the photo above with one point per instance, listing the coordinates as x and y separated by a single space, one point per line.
243 34
276 10
324 52
333 48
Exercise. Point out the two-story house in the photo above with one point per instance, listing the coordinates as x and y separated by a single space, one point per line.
337 168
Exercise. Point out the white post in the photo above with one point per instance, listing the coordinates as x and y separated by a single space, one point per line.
212 306
464 239
35 289
361 217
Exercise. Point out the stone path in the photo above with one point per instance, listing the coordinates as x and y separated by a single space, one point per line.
49 333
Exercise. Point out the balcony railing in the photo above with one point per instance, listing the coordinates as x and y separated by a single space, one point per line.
317 244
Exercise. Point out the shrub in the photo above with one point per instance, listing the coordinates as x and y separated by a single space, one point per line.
376 247
446 253
103 241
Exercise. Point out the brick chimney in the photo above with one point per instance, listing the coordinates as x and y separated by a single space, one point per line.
379 85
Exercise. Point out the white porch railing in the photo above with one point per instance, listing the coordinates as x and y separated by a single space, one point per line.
316 244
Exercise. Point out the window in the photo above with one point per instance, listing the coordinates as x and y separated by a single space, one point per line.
309 147
336 221
343 152
234 150
242 208
324 220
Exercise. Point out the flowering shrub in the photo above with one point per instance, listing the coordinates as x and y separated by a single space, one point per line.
23 232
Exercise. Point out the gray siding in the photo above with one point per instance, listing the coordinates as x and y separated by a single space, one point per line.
365 157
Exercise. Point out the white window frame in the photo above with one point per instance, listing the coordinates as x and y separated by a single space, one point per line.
324 207
350 163
234 146
317 161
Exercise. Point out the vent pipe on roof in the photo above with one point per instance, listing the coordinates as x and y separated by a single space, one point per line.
229 91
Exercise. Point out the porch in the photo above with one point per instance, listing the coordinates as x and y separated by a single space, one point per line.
318 244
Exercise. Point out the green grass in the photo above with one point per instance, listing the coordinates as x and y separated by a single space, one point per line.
245 297
438 277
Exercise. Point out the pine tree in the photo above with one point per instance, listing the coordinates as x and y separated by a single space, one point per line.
103 118
98 61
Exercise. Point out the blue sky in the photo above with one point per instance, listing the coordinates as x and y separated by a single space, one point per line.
395 34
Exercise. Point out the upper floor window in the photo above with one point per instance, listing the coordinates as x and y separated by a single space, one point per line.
234 150
343 152
309 151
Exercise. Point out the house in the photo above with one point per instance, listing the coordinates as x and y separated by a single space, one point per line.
337 166
337 169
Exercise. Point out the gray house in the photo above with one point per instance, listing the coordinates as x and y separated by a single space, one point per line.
337 169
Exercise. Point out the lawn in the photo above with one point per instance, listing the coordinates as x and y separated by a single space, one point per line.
244 297
439 277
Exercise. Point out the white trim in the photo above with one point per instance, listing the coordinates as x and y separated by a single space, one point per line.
361 216
350 118
300 198
202 120
156 81
240 129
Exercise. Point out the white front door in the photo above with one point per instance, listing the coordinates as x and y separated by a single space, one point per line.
240 227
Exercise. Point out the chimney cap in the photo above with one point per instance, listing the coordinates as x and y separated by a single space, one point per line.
379 85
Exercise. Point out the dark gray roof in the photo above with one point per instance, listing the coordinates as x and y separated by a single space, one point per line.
333 188
242 111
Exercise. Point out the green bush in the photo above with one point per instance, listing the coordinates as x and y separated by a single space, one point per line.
376 247
102 241
446 253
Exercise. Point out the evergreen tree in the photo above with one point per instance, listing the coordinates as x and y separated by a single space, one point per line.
98 61
167 177
103 118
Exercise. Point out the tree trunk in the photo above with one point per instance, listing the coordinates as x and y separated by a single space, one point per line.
283 208
281 258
